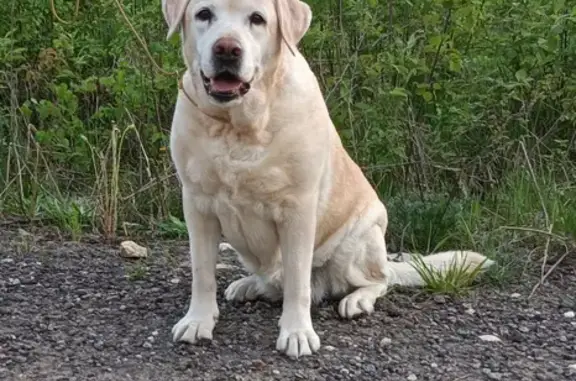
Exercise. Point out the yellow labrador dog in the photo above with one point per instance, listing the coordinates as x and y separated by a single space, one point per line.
261 162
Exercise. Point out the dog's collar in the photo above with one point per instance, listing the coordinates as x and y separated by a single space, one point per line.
218 118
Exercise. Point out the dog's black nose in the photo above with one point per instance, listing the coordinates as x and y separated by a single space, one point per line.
227 49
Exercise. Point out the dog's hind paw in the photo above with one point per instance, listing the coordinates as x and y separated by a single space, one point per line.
247 288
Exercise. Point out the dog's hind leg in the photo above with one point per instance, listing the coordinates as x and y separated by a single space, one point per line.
250 288
366 274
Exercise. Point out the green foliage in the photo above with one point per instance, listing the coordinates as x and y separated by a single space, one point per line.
462 113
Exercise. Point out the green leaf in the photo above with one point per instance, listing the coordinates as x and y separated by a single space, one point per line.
399 92
521 75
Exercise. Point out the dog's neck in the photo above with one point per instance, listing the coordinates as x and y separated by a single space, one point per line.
248 120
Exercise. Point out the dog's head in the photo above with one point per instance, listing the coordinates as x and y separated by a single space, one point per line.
231 44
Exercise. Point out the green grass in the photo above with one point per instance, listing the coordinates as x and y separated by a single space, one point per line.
455 279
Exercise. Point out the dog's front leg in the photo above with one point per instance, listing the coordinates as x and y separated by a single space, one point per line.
296 234
204 234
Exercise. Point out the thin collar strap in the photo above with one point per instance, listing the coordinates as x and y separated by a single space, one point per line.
218 118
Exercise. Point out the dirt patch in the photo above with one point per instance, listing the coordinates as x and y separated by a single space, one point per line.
77 311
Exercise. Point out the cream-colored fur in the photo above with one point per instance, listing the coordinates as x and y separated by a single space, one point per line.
275 180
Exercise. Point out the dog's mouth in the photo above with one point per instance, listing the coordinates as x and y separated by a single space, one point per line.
225 86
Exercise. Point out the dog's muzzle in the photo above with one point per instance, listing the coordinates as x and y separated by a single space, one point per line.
226 85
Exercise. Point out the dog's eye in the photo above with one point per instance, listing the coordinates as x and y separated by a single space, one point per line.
257 19
204 15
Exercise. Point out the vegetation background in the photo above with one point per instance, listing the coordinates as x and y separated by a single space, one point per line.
461 112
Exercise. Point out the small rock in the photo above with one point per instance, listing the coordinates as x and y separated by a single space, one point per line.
258 364
524 329
385 342
439 299
515 295
225 246
175 280
492 375
329 348
13 281
24 233
130 249
224 266
434 365
155 333
569 314
276 371
572 367
7 260
412 377
147 345
490 338
470 311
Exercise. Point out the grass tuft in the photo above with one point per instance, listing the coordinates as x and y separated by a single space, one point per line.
457 278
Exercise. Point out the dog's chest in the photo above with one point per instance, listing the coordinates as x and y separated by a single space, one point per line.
228 175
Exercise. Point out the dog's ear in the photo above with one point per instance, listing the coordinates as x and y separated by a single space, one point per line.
294 17
173 12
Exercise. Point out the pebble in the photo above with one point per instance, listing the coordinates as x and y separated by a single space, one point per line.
490 338
439 299
515 295
175 280
492 375
13 281
385 341
569 314
224 266
329 348
7 260
412 377
276 371
224 246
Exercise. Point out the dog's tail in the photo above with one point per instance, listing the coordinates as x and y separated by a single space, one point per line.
406 274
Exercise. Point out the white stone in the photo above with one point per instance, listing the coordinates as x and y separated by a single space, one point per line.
385 341
412 377
490 338
225 246
515 295
224 266
569 314
130 249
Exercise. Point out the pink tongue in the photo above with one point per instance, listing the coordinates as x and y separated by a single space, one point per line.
225 86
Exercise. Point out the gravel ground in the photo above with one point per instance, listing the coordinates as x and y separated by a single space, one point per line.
77 311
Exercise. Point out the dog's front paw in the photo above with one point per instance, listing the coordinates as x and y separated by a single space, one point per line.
194 327
298 341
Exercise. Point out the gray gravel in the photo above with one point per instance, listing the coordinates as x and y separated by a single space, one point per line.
77 311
